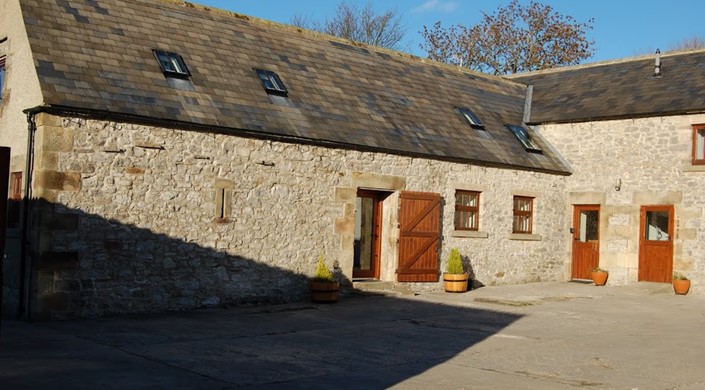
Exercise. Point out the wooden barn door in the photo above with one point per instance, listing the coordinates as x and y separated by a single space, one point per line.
586 241
656 244
420 229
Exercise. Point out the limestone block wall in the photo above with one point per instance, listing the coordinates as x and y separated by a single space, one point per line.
650 158
165 219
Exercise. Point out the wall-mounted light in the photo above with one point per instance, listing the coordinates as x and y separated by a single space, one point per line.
657 64
618 184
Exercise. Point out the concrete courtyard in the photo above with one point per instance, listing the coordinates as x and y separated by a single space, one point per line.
535 336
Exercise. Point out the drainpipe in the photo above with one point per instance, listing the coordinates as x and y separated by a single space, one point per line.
25 258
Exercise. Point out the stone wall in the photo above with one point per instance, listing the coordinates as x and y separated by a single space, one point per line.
650 160
164 219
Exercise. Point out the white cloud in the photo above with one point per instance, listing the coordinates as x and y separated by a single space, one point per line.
436 5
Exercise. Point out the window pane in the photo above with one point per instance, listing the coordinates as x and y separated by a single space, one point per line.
266 82
177 66
466 199
589 225
2 78
165 62
657 226
521 223
466 220
699 144
521 204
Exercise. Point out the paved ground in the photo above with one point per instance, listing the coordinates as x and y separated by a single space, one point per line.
536 336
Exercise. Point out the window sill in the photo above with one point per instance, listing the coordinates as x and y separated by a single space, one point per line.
525 237
469 234
694 168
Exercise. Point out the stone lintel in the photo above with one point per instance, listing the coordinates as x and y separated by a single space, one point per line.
587 197
377 181
657 197
224 183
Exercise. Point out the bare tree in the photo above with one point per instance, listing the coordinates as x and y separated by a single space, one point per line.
359 24
691 43
514 39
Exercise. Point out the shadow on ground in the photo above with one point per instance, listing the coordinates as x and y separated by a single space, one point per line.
361 342
99 265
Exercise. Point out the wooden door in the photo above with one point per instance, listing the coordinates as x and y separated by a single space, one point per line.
656 244
4 177
586 240
420 229
368 232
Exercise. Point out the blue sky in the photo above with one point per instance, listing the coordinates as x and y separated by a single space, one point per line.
621 28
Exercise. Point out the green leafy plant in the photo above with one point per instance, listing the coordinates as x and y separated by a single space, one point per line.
679 276
323 273
455 263
598 269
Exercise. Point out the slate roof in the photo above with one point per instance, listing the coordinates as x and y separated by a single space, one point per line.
97 56
619 89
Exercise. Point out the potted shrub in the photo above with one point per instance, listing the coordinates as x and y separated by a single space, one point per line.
455 279
681 284
324 287
599 276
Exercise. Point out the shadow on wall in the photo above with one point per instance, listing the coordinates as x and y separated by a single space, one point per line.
94 266
98 267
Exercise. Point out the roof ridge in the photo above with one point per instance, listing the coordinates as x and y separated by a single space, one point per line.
320 35
606 62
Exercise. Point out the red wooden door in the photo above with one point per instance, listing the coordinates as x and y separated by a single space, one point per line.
368 233
656 244
586 240
420 229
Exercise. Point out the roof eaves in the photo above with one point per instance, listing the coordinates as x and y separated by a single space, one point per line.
171 123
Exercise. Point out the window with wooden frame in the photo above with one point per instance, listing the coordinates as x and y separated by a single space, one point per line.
699 144
467 210
523 215
15 203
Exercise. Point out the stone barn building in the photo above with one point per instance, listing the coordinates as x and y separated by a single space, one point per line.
168 156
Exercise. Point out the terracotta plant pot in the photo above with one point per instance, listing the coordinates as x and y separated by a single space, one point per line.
455 282
599 277
681 287
324 292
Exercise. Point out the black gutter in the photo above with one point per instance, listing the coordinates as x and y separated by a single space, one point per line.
25 259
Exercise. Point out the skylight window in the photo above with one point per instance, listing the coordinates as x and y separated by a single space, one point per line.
472 119
271 82
172 64
524 138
